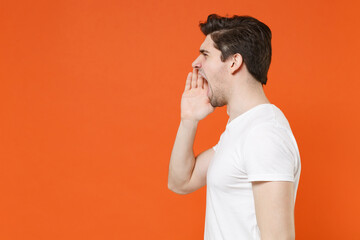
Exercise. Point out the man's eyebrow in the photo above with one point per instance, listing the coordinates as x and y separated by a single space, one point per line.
204 51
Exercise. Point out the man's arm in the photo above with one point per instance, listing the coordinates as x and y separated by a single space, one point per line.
182 158
186 174
274 207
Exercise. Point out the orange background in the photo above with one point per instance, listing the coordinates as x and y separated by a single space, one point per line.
90 106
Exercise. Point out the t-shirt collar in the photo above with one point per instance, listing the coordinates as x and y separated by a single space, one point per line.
239 118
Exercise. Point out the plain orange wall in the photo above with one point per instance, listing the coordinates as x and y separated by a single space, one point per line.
90 105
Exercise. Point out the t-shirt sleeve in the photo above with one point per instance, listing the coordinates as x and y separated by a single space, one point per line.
268 155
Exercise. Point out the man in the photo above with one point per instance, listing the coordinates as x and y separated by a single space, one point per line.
252 173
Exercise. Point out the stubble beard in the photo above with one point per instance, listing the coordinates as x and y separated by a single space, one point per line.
216 101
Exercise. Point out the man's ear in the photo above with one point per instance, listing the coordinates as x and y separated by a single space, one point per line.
236 63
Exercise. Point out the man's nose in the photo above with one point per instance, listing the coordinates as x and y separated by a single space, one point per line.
196 63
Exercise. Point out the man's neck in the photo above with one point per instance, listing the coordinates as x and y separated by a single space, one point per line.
244 100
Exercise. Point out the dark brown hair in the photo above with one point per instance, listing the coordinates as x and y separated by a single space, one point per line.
244 35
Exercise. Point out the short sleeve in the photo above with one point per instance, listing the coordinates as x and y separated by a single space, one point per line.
268 154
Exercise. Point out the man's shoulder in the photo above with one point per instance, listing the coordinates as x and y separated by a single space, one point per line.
270 126
270 133
273 120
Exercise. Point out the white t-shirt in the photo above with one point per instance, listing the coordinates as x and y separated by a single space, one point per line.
258 145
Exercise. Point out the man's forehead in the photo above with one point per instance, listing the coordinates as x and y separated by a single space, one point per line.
208 44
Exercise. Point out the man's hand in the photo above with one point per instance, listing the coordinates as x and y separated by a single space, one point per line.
195 103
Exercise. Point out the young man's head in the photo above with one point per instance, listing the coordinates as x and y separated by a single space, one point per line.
239 45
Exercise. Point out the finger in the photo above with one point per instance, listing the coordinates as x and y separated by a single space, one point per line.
188 82
200 81
194 78
206 85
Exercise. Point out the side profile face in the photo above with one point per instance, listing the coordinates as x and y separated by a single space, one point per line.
214 71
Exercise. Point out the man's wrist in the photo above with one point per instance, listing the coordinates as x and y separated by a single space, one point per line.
189 122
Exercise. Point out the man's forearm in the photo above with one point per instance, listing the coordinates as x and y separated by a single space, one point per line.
182 158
